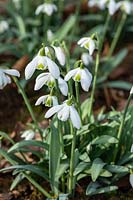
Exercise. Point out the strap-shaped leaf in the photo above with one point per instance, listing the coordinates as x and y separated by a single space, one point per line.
32 168
28 143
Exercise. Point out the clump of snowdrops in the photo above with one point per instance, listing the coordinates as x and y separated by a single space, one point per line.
76 144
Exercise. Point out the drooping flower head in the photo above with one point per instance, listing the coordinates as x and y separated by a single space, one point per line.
47 100
64 112
86 58
5 78
126 6
42 62
99 3
28 135
82 75
50 81
113 6
47 8
3 26
89 43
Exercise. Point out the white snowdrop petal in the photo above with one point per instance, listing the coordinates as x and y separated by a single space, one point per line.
12 72
86 79
28 135
53 68
41 81
39 9
53 110
63 86
91 46
60 55
30 68
131 179
41 100
83 40
63 114
86 58
70 74
55 100
74 116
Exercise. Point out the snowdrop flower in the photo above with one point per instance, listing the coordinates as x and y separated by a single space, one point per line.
86 58
3 26
48 100
28 135
17 4
100 3
5 78
131 92
126 6
64 112
88 43
60 55
113 7
49 80
41 62
82 75
50 35
47 8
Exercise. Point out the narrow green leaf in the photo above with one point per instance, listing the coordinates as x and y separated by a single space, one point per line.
54 158
17 180
81 167
28 143
6 137
32 168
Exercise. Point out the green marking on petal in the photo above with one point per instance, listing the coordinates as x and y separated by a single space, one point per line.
77 77
48 102
87 45
41 67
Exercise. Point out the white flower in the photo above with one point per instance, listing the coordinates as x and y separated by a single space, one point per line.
81 75
126 6
113 7
48 100
60 55
28 135
17 4
100 3
3 26
131 91
131 179
65 112
5 78
47 8
48 79
88 43
50 35
41 62
86 58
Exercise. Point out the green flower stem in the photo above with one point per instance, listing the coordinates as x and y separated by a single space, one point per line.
122 126
78 99
42 190
104 32
94 85
71 178
26 100
117 34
